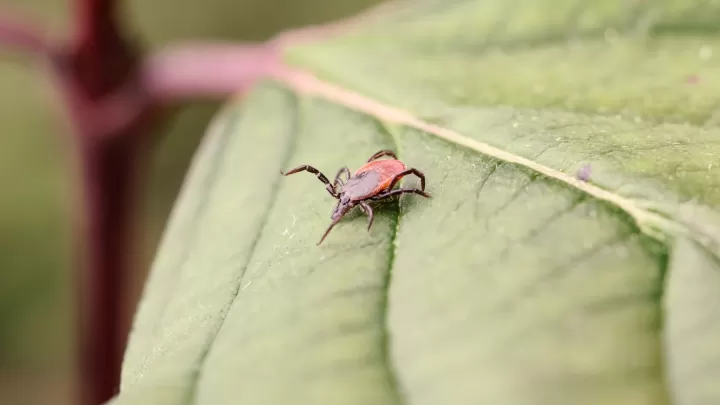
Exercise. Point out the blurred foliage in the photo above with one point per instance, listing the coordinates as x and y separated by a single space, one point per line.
36 177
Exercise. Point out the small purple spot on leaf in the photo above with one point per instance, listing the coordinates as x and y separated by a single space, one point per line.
692 79
584 172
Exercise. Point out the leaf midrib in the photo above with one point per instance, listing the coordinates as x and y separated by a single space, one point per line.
657 226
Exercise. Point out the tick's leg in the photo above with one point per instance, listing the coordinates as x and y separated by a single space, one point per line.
400 175
400 191
368 211
338 180
309 169
329 187
381 154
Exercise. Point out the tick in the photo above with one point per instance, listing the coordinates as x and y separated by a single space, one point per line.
373 181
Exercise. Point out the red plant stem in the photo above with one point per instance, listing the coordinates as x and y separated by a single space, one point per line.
108 173
103 59
110 137
108 109
109 149
95 17
22 36
206 70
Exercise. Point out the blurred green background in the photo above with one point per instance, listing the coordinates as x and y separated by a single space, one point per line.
37 183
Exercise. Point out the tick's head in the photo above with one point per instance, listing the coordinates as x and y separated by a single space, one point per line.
343 206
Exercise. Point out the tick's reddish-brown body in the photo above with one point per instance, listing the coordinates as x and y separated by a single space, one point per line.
373 178
372 181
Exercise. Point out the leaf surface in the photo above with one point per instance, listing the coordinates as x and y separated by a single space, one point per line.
515 283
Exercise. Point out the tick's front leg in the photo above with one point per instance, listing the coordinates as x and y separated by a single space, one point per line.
329 187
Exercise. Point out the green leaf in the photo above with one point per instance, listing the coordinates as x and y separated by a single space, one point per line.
691 307
516 283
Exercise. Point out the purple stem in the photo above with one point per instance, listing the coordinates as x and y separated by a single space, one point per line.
22 36
206 70
108 176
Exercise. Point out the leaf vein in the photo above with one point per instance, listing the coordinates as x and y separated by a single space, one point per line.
655 225
219 154
386 349
197 375
482 185
520 242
